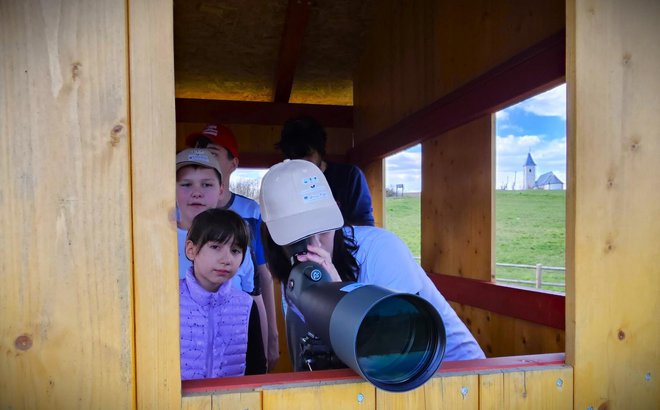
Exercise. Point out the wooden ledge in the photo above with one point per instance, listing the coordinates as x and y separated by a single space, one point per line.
533 305
281 380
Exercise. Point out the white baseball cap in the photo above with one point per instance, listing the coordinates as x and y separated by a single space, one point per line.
296 202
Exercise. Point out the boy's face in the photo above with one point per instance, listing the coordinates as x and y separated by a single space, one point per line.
227 166
197 189
215 263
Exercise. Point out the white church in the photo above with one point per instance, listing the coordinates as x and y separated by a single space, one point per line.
547 181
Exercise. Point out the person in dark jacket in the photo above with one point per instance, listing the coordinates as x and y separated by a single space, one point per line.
304 138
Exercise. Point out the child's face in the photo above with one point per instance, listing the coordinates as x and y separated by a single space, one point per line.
197 189
214 263
227 166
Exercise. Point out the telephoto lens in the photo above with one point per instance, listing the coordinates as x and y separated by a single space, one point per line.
396 341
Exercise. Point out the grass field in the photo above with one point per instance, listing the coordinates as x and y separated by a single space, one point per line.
529 229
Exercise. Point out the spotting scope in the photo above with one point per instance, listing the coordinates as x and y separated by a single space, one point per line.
396 341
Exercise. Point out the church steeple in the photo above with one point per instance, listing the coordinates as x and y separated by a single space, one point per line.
529 173
530 161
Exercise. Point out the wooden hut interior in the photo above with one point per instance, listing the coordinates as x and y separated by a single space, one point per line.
95 100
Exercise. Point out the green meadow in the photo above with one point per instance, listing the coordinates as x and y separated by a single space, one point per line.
529 229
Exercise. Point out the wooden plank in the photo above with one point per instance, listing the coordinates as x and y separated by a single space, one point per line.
259 113
613 203
456 200
500 335
542 307
197 403
65 248
414 399
550 389
374 173
240 400
452 392
360 395
153 184
295 25
324 377
491 391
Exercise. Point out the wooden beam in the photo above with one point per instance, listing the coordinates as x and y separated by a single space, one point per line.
544 308
259 113
261 160
535 70
297 17
287 380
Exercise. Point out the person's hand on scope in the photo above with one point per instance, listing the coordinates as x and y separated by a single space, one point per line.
316 253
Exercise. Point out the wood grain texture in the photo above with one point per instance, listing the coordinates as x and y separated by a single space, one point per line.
547 389
241 400
66 301
613 203
153 185
453 392
375 175
417 52
500 335
326 397
204 402
456 202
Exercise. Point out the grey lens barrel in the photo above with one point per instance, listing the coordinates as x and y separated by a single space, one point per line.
396 341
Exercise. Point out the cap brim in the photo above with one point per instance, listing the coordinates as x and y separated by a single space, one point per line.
287 230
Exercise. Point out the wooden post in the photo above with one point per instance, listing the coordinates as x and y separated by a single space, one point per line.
539 275
613 203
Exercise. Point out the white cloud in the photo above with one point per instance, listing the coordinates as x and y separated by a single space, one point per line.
405 168
551 103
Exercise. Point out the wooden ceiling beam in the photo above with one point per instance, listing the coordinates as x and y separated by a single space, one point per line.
536 69
259 113
295 25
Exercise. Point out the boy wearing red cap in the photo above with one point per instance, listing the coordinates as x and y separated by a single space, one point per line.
220 141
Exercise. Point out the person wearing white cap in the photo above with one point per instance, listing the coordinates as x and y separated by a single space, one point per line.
198 188
297 203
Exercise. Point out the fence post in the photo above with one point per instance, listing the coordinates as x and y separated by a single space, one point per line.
539 275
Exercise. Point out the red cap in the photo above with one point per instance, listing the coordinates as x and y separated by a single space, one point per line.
219 135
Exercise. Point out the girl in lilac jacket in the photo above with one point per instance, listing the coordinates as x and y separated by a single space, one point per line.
220 329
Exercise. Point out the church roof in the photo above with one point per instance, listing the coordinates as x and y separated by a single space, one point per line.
548 178
530 161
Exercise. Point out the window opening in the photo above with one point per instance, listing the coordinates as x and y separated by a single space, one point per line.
403 182
530 192
247 181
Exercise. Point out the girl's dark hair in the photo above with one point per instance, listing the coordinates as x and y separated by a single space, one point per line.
219 225
342 256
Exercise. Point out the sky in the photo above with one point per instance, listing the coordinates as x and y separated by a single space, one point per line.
536 125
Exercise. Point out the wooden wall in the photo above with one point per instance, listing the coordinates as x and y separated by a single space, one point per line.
87 245
613 237
537 386
419 51
457 201
66 249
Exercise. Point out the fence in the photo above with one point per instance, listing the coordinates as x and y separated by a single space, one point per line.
538 281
